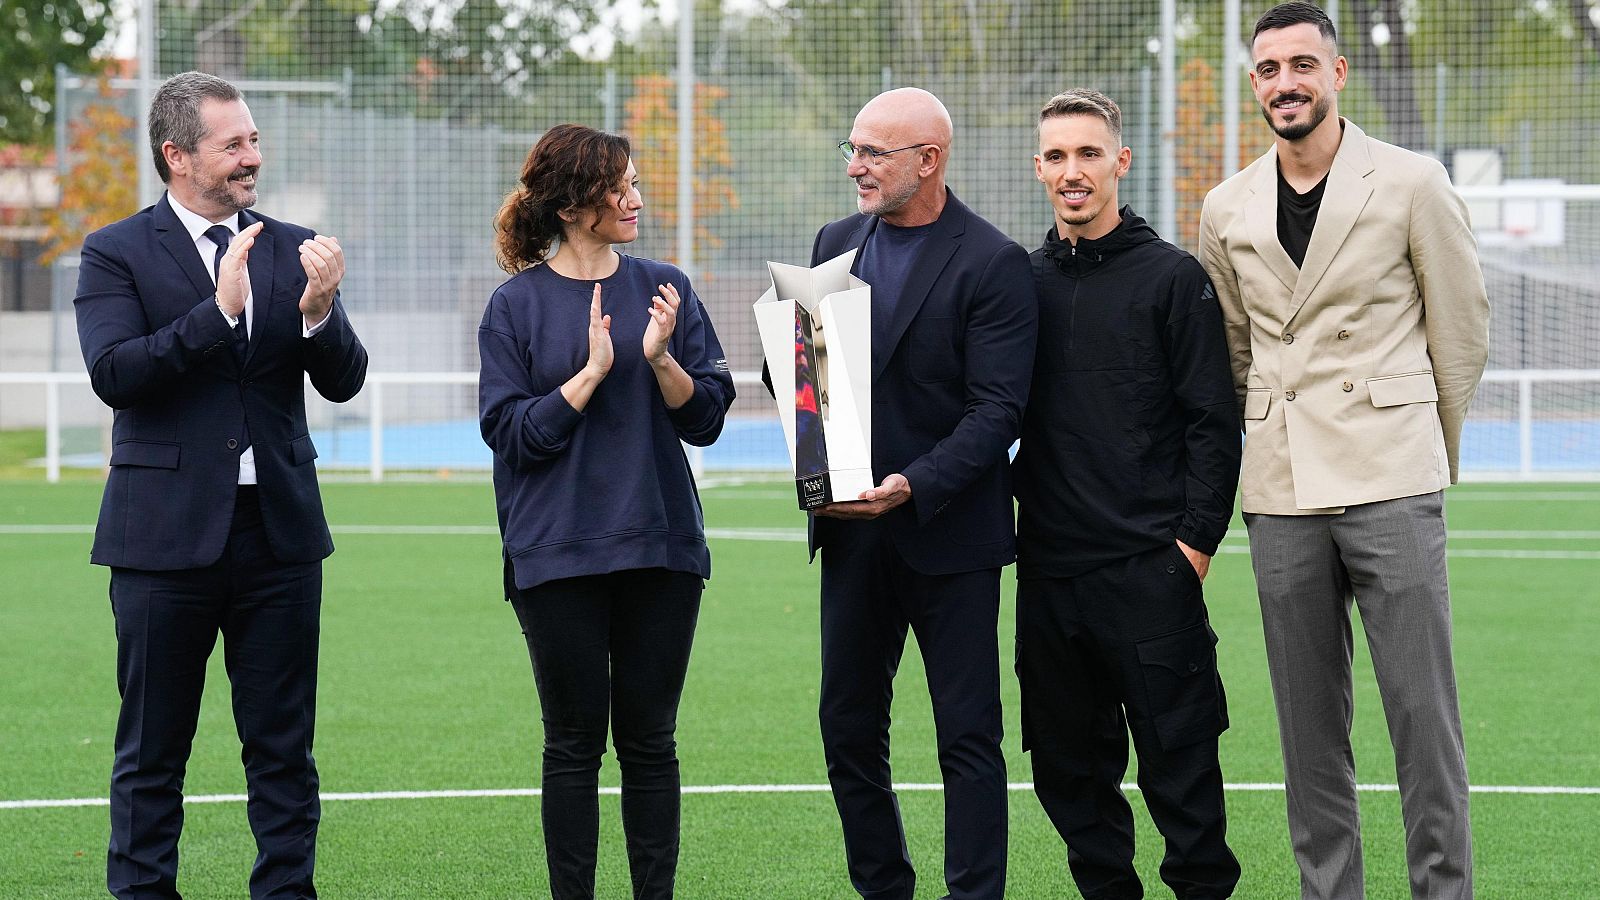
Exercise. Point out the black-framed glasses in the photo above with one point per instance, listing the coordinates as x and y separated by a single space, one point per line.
850 151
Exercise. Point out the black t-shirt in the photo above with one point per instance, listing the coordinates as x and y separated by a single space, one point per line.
1297 216
885 263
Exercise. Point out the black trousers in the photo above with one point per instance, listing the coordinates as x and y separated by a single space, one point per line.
1126 648
267 612
610 649
869 599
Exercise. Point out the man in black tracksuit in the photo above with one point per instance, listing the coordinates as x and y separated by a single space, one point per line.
1125 482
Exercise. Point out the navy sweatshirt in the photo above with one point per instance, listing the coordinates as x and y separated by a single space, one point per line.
1131 437
609 488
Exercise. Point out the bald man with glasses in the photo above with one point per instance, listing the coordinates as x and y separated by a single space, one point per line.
953 327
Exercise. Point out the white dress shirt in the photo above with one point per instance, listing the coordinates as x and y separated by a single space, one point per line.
196 225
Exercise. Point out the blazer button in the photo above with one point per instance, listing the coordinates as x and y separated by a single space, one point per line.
1288 338
1172 570
233 444
1288 395
1344 335
1348 387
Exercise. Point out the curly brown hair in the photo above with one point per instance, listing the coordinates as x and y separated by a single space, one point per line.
571 168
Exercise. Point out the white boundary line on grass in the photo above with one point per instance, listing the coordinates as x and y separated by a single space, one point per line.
733 491
334 796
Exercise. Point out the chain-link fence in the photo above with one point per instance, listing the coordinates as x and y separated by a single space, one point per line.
398 127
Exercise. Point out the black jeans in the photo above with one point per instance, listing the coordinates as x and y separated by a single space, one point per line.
1126 648
610 648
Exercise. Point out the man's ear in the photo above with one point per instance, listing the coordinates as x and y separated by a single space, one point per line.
177 160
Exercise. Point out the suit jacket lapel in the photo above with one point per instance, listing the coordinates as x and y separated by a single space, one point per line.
176 239
261 271
1343 199
941 244
1261 218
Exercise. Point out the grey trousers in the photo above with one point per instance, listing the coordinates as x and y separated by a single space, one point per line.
1390 558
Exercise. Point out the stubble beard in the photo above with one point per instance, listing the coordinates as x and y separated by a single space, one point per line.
888 202
1295 131
229 194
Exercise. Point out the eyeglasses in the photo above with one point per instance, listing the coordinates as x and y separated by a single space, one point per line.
850 151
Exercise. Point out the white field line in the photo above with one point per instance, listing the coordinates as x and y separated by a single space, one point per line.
736 490
1512 496
335 796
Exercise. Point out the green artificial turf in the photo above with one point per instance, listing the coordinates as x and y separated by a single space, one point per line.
425 685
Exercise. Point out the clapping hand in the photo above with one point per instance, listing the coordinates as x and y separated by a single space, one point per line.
233 283
323 260
663 320
600 354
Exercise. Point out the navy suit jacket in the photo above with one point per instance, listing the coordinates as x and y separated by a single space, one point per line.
158 352
947 396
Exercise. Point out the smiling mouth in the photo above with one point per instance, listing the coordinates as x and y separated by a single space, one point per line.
246 179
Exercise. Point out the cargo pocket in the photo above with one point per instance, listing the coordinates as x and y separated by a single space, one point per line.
1183 693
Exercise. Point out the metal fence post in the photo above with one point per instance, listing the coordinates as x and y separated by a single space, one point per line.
52 430
1525 423
375 422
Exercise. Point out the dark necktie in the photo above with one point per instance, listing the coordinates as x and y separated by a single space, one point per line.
221 236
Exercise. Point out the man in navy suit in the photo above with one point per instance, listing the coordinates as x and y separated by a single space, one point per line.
199 323
953 328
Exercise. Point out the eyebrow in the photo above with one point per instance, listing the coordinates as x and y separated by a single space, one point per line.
1308 57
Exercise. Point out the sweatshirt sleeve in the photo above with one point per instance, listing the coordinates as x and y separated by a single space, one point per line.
521 426
1197 351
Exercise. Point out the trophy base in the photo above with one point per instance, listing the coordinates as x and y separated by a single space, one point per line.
814 490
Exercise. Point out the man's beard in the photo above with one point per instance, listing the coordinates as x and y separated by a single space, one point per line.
889 202
1294 131
228 194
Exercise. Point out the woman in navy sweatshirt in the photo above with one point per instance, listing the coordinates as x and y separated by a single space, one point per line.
596 367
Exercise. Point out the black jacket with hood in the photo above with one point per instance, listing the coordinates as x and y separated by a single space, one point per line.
1131 436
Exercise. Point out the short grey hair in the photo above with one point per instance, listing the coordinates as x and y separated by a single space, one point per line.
175 113
1085 102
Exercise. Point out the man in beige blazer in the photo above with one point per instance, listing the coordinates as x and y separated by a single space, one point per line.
1357 324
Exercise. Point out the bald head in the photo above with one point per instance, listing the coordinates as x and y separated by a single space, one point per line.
906 184
911 115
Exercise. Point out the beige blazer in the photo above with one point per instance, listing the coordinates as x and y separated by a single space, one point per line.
1354 371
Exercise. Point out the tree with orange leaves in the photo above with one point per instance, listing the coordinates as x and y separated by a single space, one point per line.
1199 150
102 184
653 129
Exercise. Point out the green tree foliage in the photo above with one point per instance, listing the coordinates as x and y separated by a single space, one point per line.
36 35
462 59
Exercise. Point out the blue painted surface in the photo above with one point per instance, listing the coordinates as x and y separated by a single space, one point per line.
757 444
751 444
